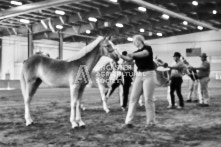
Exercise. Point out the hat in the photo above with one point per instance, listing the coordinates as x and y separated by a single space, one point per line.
177 54
203 55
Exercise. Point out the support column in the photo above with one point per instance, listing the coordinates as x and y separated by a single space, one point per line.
0 56
60 48
30 41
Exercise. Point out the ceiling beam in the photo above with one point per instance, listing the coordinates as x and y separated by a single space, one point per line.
174 14
24 9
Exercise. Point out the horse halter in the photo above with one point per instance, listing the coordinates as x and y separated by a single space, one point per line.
108 46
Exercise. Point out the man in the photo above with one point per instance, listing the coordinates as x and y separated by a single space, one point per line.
203 75
177 69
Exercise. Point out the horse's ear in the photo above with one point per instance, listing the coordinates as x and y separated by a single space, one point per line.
107 37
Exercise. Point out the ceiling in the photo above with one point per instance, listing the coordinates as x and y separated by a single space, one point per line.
43 19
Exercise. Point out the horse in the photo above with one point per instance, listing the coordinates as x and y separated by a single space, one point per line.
104 78
58 73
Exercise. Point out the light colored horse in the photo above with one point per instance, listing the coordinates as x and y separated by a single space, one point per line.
104 78
57 73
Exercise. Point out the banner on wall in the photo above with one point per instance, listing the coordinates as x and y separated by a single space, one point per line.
193 52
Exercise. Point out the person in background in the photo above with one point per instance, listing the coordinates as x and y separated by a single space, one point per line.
177 69
203 75
144 82
193 94
193 89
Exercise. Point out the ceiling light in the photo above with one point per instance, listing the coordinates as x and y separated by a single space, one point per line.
106 24
60 27
142 9
185 22
88 31
150 33
195 3
159 34
142 30
24 21
59 12
214 12
129 39
16 3
165 16
92 19
119 25
200 27
115 1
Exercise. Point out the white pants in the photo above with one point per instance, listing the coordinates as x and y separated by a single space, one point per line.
144 83
193 90
204 98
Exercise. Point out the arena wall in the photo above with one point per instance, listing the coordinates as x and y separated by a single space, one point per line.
14 50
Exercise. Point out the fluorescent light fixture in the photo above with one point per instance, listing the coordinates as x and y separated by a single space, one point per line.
150 33
88 31
60 27
115 1
106 24
159 34
24 21
16 3
59 12
142 9
165 16
129 39
199 27
119 25
214 12
142 30
92 19
195 3
185 22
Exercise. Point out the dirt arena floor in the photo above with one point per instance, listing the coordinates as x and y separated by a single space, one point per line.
192 127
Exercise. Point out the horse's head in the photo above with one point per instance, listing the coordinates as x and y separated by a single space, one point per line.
108 50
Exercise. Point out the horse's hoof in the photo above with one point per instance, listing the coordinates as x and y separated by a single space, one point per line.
30 124
82 127
107 111
74 128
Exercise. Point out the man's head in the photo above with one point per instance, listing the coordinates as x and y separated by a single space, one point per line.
176 56
203 56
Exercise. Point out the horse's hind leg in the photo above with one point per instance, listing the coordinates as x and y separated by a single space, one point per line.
30 90
74 91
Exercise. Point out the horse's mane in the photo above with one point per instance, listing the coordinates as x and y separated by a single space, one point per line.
86 49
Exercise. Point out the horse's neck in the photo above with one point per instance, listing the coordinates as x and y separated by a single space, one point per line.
91 59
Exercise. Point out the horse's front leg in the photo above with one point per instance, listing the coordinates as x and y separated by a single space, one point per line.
78 107
74 90
103 97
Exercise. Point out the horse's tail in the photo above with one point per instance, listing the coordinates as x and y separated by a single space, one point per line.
23 84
